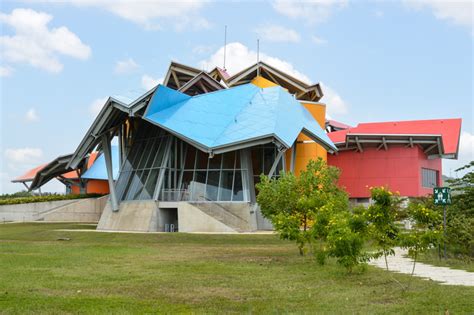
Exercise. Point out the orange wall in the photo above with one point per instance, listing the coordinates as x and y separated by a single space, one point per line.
93 186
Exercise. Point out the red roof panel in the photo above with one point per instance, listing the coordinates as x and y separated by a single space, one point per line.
449 129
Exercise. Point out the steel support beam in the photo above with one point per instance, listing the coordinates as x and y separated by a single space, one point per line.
110 174
161 175
275 163
293 157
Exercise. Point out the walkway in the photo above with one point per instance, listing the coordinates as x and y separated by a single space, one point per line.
447 276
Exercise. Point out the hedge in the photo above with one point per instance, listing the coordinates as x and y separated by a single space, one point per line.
21 200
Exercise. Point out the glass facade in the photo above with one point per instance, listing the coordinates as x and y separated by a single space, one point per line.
161 166
263 157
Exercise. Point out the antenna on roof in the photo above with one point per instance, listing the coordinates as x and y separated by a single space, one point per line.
258 57
225 43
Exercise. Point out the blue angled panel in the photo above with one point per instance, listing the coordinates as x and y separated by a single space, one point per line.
235 115
98 170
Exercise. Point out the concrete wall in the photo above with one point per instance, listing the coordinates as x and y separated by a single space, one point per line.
132 216
193 219
30 211
83 210
150 216
78 210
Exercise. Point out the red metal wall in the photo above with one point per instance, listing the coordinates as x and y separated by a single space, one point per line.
399 168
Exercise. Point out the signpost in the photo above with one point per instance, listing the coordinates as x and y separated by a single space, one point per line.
442 197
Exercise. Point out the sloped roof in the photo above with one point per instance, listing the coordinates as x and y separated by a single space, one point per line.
337 124
98 170
447 129
239 116
29 175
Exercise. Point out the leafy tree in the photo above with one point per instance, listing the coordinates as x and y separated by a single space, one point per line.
381 216
463 192
346 238
426 232
300 207
460 215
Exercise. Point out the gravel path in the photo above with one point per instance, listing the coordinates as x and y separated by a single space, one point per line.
447 276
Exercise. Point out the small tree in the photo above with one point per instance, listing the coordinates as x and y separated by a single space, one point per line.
381 216
426 231
346 238
300 207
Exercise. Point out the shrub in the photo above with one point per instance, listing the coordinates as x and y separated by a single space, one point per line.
22 200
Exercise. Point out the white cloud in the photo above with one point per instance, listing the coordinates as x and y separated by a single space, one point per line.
466 155
34 43
31 115
277 33
313 11
5 71
335 104
126 66
239 57
149 82
151 14
96 105
318 40
457 12
23 155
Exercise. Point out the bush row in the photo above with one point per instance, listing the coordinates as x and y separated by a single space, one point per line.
30 199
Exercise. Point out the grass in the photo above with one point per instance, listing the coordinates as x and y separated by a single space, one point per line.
432 257
191 273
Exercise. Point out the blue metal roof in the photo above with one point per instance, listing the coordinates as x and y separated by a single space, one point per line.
234 116
98 170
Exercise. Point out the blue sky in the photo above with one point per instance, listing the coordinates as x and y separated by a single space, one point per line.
377 61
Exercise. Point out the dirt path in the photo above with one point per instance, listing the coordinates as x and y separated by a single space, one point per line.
447 276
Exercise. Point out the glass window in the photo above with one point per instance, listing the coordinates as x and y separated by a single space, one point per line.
268 159
150 184
238 194
228 160
215 162
212 185
225 188
429 178
201 160
190 158
198 187
257 161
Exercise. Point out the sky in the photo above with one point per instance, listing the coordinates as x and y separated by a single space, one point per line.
376 61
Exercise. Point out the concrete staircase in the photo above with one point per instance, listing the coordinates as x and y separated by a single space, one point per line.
227 213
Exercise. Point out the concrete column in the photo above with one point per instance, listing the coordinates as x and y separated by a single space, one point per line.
110 174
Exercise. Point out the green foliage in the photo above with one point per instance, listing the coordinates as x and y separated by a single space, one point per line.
18 194
299 207
22 200
426 231
346 239
381 216
312 209
463 192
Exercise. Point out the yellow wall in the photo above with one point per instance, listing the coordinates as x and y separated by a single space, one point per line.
262 82
307 151
304 151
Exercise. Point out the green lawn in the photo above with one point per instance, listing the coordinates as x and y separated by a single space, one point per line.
184 273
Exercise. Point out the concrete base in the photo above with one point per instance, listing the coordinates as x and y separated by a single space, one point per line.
132 216
78 210
86 210
151 216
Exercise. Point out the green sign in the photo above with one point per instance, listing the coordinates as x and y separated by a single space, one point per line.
442 195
